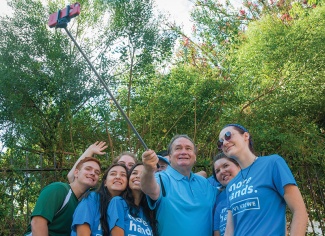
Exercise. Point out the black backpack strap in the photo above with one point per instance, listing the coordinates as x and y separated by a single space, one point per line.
162 186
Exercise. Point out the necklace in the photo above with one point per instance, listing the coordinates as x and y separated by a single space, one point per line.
241 171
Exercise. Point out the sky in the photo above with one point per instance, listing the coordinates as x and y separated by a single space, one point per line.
3 7
179 10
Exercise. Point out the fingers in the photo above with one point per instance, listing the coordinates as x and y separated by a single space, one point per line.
149 155
101 143
150 160
98 147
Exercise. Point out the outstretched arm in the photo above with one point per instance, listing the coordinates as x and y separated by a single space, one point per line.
297 206
95 148
148 182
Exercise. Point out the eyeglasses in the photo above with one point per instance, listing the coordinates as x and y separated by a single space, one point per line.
227 138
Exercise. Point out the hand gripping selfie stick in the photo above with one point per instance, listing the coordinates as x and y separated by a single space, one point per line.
61 20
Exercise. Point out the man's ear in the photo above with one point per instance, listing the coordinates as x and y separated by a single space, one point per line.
75 173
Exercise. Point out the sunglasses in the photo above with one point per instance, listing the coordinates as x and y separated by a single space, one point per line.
227 138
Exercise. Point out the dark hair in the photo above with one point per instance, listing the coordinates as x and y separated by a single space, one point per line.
86 159
134 209
131 154
105 198
241 129
218 157
162 153
169 149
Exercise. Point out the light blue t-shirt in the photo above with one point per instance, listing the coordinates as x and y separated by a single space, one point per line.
88 212
214 182
118 214
187 208
257 203
221 213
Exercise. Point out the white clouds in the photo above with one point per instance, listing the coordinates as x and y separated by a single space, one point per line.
179 11
4 8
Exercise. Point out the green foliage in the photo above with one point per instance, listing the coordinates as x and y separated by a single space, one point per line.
43 86
51 105
139 44
279 67
218 27
260 65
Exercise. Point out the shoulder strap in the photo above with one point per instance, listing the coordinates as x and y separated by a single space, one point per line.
66 200
162 186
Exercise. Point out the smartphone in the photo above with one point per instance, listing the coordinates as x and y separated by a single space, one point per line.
70 11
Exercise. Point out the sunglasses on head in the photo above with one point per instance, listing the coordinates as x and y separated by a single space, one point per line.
227 138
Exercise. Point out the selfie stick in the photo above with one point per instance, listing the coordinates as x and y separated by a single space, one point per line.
61 22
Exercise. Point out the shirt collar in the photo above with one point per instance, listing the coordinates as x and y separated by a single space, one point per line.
176 175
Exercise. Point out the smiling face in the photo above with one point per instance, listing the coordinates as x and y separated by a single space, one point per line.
225 170
134 181
116 180
182 155
127 160
88 174
236 144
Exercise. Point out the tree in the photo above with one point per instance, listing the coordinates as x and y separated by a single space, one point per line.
279 68
43 85
140 45
282 65
51 104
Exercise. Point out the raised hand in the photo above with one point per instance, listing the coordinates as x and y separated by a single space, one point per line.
97 148
150 160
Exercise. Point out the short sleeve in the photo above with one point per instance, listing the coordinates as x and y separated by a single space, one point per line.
282 175
54 194
85 211
116 213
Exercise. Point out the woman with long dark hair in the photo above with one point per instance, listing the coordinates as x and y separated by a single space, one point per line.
130 214
90 216
259 194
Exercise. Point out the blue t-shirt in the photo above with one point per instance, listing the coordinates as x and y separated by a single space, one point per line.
214 182
118 214
221 213
187 208
257 203
88 212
